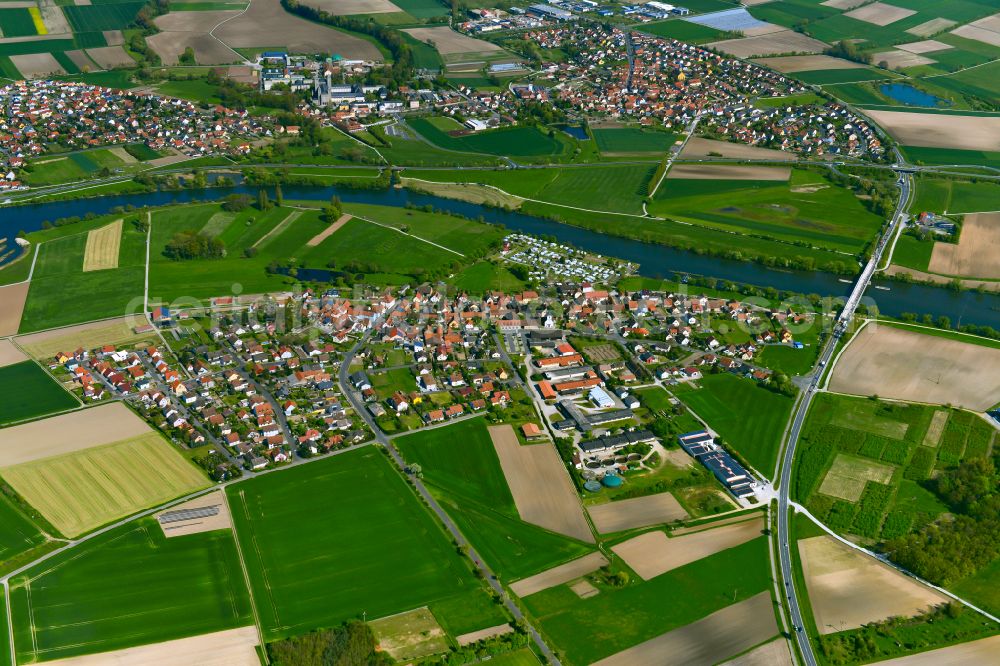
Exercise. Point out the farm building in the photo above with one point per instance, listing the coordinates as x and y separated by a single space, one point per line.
730 473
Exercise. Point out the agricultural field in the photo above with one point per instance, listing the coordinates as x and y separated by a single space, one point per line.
484 277
84 489
808 209
750 419
528 141
618 618
974 256
27 392
461 466
59 278
126 588
632 140
865 463
947 196
959 133
57 169
373 548
20 538
17 22
685 31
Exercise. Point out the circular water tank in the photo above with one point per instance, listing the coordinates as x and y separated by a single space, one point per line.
612 480
592 486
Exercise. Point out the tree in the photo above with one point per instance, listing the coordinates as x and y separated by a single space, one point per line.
234 203
278 196
186 58
263 203
191 245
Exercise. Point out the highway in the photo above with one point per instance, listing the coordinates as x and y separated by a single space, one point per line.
905 184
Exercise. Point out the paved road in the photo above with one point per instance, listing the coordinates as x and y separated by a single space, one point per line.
799 417
348 390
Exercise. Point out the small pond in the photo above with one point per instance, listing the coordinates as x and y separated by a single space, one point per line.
907 94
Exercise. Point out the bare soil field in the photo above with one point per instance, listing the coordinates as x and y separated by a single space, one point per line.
774 653
934 431
232 647
808 63
53 18
489 632
979 34
37 65
712 639
843 4
558 575
774 43
849 589
977 253
410 635
329 231
897 59
930 130
925 46
12 299
102 247
636 512
67 433
118 331
584 589
848 475
9 354
81 60
266 20
983 651
179 521
904 365
653 553
84 489
111 57
114 37
449 42
349 7
698 147
932 27
542 490
728 172
879 13
179 30
766 29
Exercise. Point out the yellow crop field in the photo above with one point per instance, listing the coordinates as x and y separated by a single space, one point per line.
102 247
80 491
36 17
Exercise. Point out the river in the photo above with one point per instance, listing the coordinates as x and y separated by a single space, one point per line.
655 261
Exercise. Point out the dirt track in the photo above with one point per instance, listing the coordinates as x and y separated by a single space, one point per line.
636 512
233 647
721 635
848 589
905 365
728 172
329 231
12 299
700 147
69 432
977 254
653 553
542 490
266 22
559 575
929 130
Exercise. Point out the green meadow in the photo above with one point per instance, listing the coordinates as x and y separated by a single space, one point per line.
346 536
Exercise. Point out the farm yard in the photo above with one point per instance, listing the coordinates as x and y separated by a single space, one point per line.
394 557
907 365
27 392
124 589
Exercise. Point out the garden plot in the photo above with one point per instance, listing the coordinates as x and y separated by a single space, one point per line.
982 651
774 43
636 512
728 172
904 365
102 247
111 57
848 589
558 575
698 146
265 21
880 14
541 487
37 65
848 475
936 131
925 46
808 63
715 638
12 300
349 7
977 253
932 27
180 30
231 647
653 553
410 635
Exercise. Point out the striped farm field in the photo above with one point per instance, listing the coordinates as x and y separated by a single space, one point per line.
85 489
101 252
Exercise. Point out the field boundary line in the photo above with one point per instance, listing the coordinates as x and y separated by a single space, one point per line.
10 621
279 227
246 575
